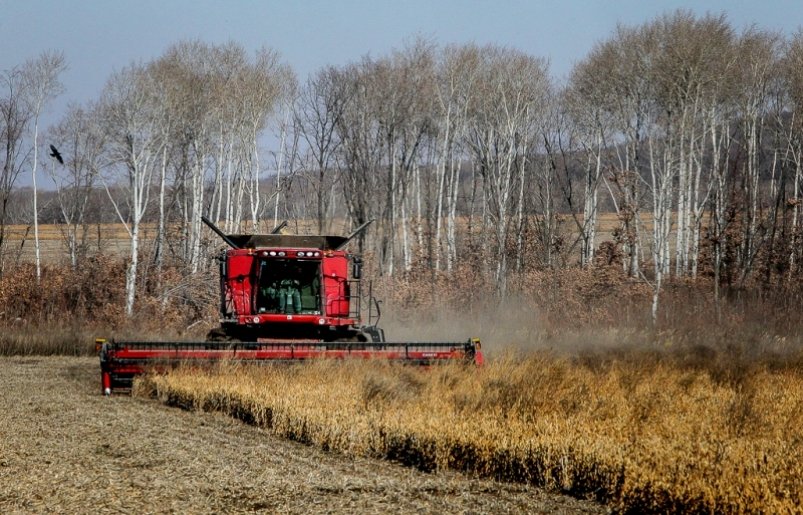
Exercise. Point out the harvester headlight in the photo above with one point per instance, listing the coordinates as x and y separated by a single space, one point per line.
256 320
301 254
264 253
321 321
281 253
272 253
317 254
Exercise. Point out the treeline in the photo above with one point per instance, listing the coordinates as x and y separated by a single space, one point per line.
687 128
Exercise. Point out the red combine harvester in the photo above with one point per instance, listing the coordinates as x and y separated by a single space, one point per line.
283 298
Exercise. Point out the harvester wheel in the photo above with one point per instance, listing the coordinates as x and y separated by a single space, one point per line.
217 335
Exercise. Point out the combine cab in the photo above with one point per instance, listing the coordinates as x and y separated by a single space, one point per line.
283 298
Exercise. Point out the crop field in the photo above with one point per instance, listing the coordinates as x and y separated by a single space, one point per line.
64 448
639 433
112 238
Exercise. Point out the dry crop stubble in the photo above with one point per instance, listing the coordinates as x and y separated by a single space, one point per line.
64 448
638 435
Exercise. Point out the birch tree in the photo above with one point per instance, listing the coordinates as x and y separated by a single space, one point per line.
132 119
756 65
589 101
611 98
407 82
41 84
689 73
793 78
511 95
457 75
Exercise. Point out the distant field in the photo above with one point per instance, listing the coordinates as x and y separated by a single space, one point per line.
113 238
109 238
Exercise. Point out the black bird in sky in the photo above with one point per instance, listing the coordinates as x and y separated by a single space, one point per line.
55 153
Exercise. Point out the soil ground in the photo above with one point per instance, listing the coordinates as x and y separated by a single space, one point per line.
65 448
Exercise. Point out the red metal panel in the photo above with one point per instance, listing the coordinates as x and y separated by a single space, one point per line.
239 280
335 284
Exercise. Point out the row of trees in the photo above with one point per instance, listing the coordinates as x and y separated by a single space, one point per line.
685 128
700 127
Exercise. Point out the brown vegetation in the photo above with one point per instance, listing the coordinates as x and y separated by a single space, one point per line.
660 432
68 308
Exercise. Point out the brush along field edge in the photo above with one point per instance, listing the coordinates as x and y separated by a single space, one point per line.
639 437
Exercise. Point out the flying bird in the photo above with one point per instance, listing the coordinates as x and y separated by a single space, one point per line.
55 153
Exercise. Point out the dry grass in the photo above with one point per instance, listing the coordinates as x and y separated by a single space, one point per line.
639 431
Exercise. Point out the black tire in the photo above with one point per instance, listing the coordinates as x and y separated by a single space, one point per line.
217 335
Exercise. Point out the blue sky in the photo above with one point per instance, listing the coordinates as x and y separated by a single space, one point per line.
99 36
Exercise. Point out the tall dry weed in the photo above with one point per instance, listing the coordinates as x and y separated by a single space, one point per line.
67 308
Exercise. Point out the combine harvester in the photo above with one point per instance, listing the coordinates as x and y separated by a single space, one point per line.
282 298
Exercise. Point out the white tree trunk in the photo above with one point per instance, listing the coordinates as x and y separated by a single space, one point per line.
35 197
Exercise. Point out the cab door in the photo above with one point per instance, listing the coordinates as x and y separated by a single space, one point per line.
335 286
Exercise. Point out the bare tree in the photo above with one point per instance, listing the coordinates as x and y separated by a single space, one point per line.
457 74
756 65
286 159
318 111
78 135
611 99
511 95
695 55
14 119
793 75
41 84
361 146
589 101
132 120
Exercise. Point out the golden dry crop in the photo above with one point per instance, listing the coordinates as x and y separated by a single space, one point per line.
639 435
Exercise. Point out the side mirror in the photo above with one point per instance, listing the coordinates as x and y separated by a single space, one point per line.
356 271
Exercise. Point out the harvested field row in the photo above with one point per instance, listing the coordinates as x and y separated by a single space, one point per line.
646 435
64 448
